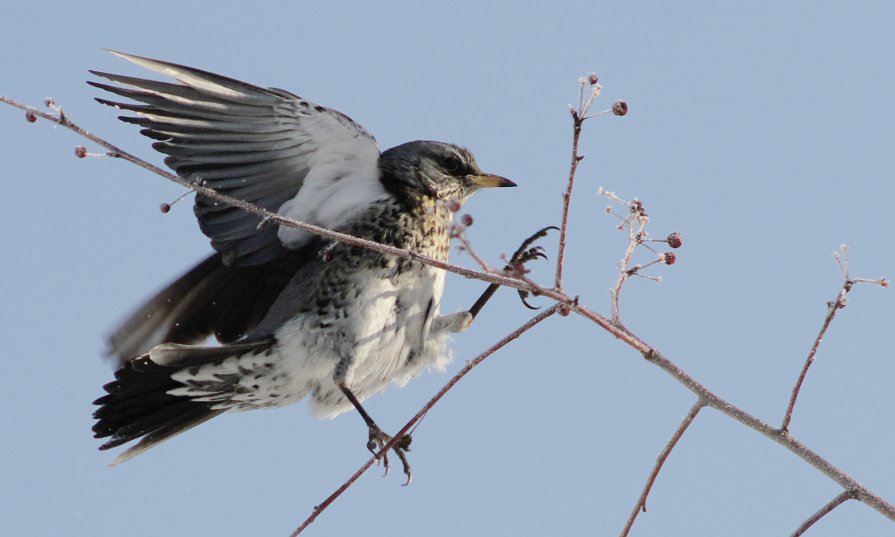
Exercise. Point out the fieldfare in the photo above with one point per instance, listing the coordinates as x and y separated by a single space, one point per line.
295 315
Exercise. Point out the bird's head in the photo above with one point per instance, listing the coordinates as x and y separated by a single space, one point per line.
435 170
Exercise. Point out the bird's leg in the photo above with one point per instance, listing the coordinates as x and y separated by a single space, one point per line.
526 252
460 321
378 439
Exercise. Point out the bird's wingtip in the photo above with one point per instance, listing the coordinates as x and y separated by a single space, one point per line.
124 457
147 63
120 54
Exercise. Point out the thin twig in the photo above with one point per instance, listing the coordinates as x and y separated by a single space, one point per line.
710 399
729 409
272 217
623 275
823 511
636 232
588 91
577 122
424 410
466 246
833 307
641 502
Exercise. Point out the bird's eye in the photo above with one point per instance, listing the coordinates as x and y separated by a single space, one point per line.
452 164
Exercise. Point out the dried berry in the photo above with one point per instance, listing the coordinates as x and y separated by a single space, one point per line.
668 258
164 207
80 151
675 240
30 116
466 219
620 108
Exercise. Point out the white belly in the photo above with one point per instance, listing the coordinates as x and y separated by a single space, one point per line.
387 337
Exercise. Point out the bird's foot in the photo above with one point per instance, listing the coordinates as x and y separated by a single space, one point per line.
378 440
454 322
525 253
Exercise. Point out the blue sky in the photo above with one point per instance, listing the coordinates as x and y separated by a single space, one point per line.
762 132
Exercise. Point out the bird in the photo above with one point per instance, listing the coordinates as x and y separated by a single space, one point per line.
276 315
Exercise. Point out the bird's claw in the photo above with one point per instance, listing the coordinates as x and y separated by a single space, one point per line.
523 296
378 440
525 250
525 253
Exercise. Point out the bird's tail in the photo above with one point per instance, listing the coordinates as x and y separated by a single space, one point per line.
137 404
146 401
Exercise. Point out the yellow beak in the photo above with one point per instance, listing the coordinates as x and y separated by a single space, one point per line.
487 180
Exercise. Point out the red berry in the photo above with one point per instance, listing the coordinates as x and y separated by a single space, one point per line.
80 151
30 116
165 207
675 240
466 219
668 258
593 79
620 108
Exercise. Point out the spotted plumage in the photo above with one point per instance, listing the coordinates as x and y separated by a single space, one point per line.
296 316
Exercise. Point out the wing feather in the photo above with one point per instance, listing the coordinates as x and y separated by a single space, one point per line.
256 144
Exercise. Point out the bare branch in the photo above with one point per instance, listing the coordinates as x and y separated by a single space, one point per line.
833 308
116 152
729 409
588 91
636 222
424 410
641 502
577 121
458 233
832 504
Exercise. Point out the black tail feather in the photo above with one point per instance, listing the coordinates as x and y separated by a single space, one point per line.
137 405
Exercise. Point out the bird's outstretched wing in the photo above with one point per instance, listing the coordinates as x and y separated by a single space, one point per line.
265 146
262 145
